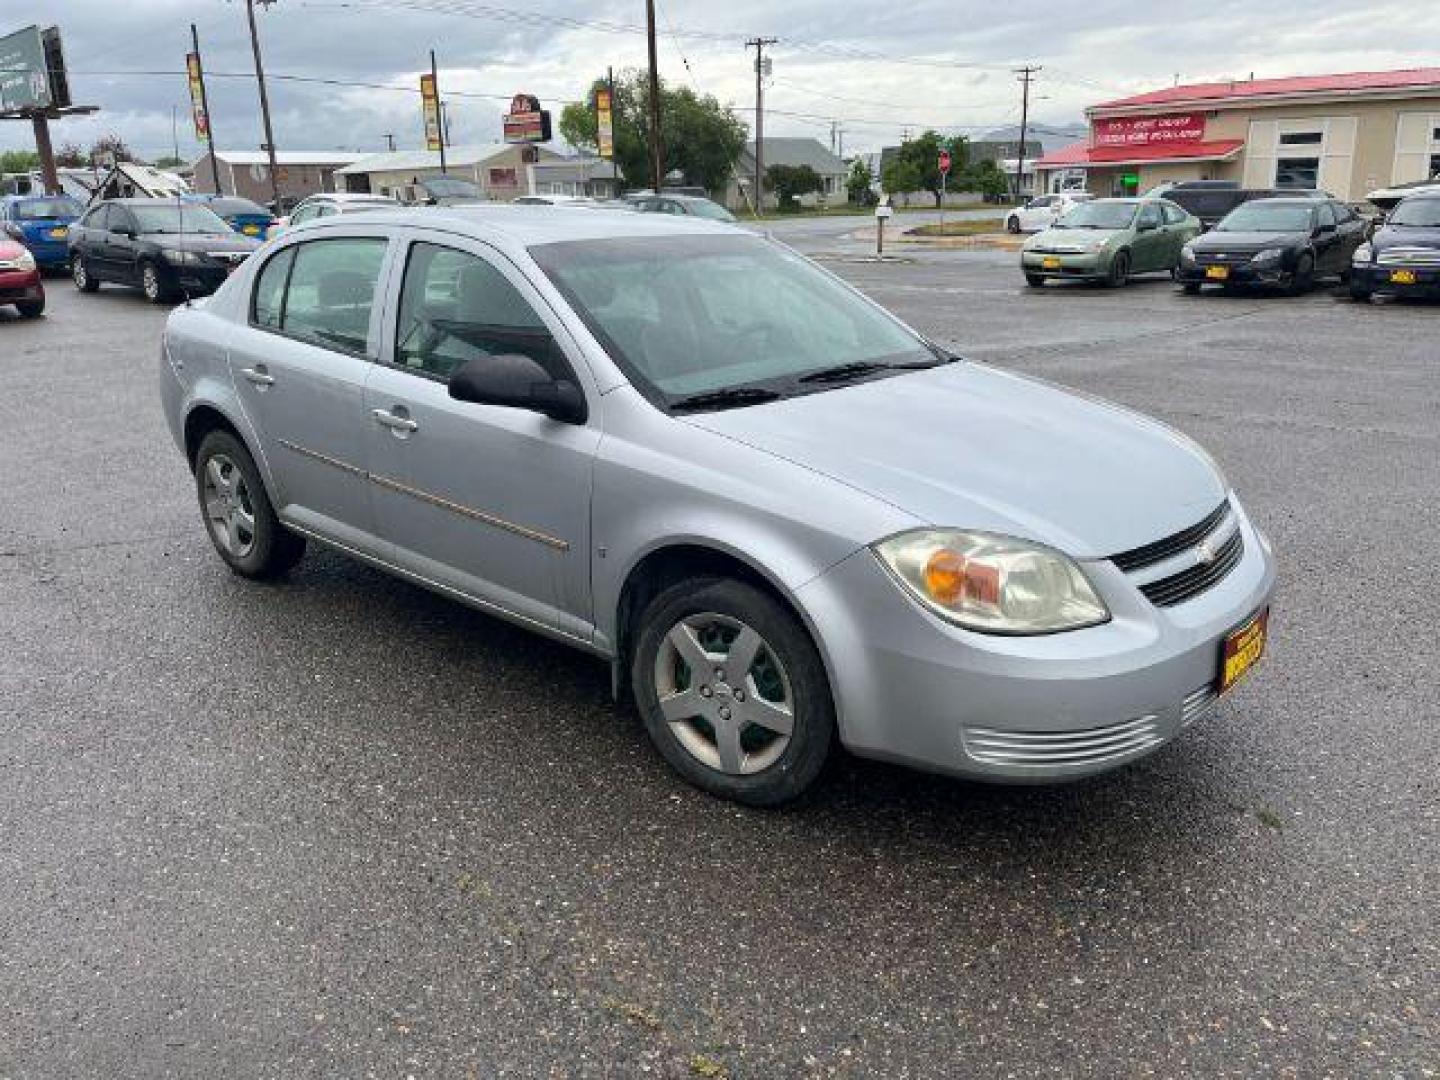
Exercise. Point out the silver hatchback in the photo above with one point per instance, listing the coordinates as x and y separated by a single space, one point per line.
780 514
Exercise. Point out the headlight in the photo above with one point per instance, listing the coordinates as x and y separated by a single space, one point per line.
181 258
1187 254
1269 257
1363 254
26 261
993 584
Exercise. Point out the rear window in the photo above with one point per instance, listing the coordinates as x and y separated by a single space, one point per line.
237 208
46 209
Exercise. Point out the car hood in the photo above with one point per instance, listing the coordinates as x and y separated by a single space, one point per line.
1247 241
226 241
965 445
1405 236
1058 234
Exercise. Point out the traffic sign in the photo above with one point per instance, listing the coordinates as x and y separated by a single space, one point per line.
944 161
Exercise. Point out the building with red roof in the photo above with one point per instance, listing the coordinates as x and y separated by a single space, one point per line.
1347 134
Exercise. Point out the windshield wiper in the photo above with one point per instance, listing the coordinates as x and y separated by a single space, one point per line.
845 372
732 398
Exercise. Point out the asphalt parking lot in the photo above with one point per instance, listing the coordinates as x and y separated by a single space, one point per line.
341 827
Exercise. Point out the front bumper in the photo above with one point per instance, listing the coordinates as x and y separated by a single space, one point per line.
912 688
1237 273
1084 266
199 279
1380 279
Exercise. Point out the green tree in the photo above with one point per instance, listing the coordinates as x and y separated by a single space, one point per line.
702 138
19 161
924 155
70 156
987 178
169 161
900 176
789 182
857 185
112 145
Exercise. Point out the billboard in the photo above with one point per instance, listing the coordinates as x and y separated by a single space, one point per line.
526 122
24 74
430 101
1150 130
605 124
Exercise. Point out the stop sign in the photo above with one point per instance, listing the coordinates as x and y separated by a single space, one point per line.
944 161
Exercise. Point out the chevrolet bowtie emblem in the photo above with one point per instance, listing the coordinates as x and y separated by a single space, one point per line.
1204 553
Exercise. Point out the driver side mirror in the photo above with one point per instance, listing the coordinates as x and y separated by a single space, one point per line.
516 381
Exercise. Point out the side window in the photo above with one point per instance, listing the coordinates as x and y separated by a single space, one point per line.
1325 215
331 292
455 307
1173 214
304 214
119 220
269 303
1150 215
99 218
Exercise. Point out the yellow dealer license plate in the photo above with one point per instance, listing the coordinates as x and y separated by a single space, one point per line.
1242 649
1403 277
1050 263
59 233
1217 273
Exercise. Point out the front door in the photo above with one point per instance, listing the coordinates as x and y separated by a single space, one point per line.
300 369
1150 248
491 502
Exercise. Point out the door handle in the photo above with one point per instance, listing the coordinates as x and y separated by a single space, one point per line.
258 375
393 422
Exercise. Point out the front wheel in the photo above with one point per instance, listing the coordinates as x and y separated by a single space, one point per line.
152 284
1192 288
238 515
732 691
1119 270
1012 224
1359 293
1303 280
1035 281
80 273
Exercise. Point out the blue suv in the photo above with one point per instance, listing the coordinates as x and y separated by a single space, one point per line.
1403 257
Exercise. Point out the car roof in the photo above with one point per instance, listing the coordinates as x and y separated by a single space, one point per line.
527 226
1286 200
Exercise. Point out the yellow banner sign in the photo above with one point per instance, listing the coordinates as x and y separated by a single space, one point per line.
197 97
605 124
430 99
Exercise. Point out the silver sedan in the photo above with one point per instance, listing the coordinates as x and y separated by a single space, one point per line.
780 515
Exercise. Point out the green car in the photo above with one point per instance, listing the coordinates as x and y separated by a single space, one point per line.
1110 240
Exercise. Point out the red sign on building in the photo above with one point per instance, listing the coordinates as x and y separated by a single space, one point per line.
1149 130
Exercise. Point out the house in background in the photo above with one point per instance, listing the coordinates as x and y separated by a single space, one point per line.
499 170
794 152
246 173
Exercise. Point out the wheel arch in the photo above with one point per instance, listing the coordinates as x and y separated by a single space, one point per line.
203 418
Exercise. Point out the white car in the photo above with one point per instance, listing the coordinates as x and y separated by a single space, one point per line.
335 202
1041 212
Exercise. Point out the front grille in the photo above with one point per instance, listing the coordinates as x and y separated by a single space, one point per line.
1197 703
1180 587
1409 256
1091 746
1160 550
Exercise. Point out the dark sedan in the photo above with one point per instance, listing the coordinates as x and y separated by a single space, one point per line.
169 249
1287 243
1403 258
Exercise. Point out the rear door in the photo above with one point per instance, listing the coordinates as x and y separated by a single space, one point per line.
300 369
491 502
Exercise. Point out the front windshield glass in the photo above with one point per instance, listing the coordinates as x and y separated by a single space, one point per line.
1099 215
44 209
713 211
687 315
1266 217
1417 213
168 217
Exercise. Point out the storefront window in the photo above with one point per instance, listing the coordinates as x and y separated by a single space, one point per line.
1297 173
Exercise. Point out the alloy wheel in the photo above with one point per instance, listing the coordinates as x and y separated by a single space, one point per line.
229 511
150 282
80 274
724 693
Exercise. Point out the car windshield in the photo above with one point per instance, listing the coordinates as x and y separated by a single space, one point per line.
237 208
1417 213
1266 217
696 315
447 187
1099 215
706 209
168 217
46 209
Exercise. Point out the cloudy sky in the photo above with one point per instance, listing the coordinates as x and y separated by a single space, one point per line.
875 68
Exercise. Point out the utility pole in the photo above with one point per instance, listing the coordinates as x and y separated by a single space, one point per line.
1026 74
657 174
264 100
758 44
389 141
205 105
440 109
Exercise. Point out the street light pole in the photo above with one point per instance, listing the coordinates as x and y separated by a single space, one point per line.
264 100
657 156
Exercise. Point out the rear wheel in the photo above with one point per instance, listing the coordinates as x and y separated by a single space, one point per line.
238 515
1035 281
31 309
732 691
1012 224
80 272
1119 270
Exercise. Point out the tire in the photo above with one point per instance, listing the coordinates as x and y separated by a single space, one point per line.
152 284
1360 294
1303 280
784 684
1035 281
85 281
237 512
31 309
1119 274
1192 288
1012 224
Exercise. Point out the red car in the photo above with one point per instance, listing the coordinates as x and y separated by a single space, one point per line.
20 280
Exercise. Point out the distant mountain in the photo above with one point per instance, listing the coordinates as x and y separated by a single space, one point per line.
1049 136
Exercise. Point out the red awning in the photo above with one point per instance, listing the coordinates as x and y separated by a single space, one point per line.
1082 154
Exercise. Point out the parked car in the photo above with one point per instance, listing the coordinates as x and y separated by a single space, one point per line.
243 216
169 248
1386 199
338 202
1110 240
1403 257
779 513
1289 243
42 224
560 200
20 282
1212 202
1164 190
1041 212
668 202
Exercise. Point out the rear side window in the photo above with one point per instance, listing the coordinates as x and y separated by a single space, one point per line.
1150 215
1173 214
327 294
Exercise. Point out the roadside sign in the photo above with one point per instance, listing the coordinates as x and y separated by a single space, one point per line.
944 161
526 122
24 78
605 124
197 98
430 101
